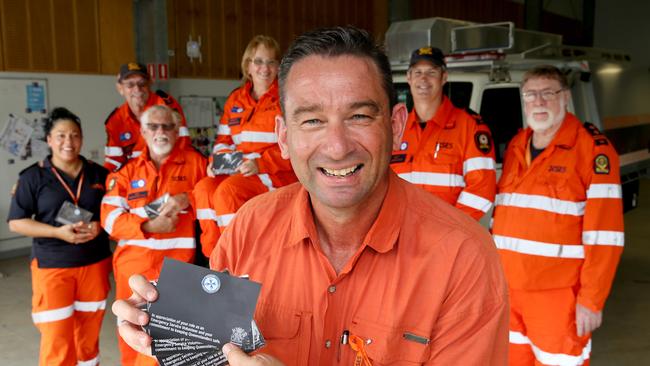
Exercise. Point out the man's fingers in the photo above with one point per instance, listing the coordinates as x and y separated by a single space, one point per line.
235 356
126 311
143 288
135 337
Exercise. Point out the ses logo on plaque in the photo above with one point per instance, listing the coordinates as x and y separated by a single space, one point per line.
210 283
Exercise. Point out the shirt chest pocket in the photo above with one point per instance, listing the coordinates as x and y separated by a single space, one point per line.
287 333
392 346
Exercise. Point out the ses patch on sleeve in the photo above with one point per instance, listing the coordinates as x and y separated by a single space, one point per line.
111 184
483 142
13 189
601 164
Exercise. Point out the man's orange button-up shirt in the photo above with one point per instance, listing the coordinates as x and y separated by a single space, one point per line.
425 286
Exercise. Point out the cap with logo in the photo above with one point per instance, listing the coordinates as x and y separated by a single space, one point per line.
132 68
431 54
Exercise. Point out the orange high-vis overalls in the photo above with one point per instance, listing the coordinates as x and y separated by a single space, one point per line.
451 157
558 225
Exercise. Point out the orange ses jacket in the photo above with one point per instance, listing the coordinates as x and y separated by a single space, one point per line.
137 184
124 141
452 157
248 126
559 222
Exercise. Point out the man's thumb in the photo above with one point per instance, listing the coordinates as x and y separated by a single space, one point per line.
234 354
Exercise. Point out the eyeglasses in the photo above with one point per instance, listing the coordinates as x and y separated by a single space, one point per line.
260 62
547 95
153 127
430 73
131 85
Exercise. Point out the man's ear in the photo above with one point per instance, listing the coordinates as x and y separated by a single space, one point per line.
281 133
118 87
398 123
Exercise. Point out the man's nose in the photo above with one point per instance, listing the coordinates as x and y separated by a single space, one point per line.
338 142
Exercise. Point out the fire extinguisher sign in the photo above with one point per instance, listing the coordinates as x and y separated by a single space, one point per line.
163 72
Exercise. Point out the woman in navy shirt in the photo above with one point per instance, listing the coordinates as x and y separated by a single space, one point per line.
70 262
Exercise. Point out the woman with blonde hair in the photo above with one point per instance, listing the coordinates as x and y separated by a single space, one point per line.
247 128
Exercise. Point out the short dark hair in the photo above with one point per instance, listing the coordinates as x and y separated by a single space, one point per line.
546 72
338 41
60 114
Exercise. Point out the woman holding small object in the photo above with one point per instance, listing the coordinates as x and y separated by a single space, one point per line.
57 202
247 127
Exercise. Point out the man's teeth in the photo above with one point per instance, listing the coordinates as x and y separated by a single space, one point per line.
340 172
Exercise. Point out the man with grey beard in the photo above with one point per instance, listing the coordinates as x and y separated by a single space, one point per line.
147 205
559 261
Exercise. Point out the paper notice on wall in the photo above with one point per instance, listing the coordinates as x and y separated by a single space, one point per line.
15 135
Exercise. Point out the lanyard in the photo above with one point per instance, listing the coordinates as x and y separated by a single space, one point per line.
75 199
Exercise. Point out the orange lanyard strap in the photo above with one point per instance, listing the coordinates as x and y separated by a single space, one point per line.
358 345
75 199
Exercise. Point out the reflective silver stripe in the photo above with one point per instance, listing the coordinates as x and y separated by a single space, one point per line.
93 362
114 162
219 147
113 151
206 214
266 180
252 136
539 248
434 179
90 306
224 220
140 211
602 237
53 315
548 358
478 164
604 191
252 156
183 131
518 338
539 202
161 244
223 129
110 219
474 201
135 154
117 201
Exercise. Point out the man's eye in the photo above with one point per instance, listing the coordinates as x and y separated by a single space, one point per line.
360 117
311 122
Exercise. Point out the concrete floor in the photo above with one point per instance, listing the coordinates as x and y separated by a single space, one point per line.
624 338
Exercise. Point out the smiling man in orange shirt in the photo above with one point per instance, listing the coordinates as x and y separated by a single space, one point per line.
353 249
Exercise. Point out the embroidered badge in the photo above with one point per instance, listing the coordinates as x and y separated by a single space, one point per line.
601 164
138 183
398 158
13 189
483 142
111 184
234 121
236 109
126 136
404 146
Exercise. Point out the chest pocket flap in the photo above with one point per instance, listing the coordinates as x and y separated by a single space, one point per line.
287 332
392 346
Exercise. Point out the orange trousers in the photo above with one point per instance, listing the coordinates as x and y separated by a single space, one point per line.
543 329
68 306
218 199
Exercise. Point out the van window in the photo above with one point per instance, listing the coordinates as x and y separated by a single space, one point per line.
501 110
459 92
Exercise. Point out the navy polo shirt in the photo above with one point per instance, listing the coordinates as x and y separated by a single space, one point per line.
39 195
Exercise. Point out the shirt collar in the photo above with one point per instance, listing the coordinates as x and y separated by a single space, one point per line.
443 114
383 233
